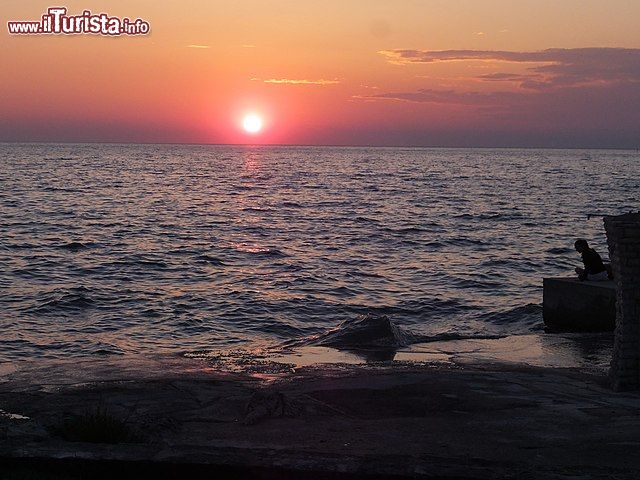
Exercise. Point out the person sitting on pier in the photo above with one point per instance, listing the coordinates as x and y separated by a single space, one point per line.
593 269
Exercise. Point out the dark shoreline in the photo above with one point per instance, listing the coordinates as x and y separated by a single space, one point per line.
76 469
386 420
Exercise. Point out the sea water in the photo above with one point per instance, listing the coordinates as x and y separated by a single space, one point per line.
111 249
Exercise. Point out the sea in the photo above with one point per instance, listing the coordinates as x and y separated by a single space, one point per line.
110 249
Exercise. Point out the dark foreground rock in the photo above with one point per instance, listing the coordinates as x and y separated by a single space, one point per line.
365 331
570 305
483 422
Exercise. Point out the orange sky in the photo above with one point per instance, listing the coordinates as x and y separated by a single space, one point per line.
405 72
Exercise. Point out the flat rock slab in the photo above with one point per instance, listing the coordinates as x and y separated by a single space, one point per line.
482 421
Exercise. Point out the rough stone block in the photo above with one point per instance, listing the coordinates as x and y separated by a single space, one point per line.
573 306
623 238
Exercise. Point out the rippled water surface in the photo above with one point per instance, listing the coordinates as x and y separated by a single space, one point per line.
108 249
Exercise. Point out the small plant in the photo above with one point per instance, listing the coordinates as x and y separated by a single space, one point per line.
99 426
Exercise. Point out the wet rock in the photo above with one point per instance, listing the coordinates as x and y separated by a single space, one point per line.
366 331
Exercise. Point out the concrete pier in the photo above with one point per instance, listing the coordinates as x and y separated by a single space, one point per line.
570 305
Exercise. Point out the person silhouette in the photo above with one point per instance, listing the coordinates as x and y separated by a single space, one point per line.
593 269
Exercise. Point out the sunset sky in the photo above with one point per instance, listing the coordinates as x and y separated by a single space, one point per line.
360 72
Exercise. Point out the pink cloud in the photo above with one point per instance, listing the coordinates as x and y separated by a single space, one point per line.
585 89
555 67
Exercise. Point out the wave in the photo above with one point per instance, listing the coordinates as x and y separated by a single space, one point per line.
559 250
104 349
405 230
454 242
362 219
360 273
73 246
257 209
204 258
492 216
260 250
465 242
416 309
59 189
290 204
183 251
525 317
481 281
143 261
21 246
501 262
64 300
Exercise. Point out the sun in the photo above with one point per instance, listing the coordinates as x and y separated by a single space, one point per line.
252 123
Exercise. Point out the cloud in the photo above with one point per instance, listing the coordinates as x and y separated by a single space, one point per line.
555 67
587 91
587 115
504 77
198 46
426 95
405 56
289 81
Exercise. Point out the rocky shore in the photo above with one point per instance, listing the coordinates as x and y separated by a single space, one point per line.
385 420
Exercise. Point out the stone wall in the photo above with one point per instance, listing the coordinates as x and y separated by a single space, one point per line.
623 238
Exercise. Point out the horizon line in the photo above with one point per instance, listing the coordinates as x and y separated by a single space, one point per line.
527 147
